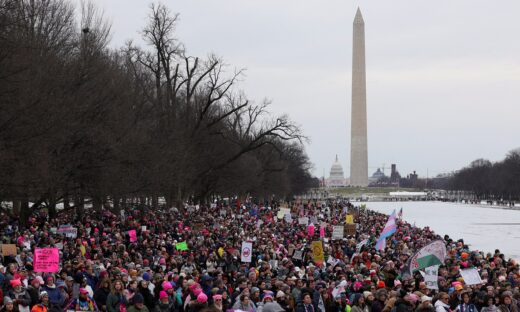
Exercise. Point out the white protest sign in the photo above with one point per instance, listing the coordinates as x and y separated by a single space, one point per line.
431 276
298 255
288 218
361 244
471 276
247 252
337 232
303 220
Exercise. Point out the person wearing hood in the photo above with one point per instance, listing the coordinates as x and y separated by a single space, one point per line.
506 304
489 304
244 303
55 297
270 305
9 305
442 303
138 304
21 298
379 302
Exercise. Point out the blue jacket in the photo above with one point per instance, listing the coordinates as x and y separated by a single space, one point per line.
55 296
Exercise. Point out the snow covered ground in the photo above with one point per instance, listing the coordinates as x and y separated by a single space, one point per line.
483 228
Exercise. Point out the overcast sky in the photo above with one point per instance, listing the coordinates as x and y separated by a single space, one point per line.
443 77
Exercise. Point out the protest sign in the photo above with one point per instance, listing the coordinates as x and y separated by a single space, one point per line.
298 255
46 260
310 230
471 276
303 220
361 244
349 219
288 218
9 250
350 229
247 252
322 231
337 232
317 252
133 236
182 246
27 245
143 228
68 230
291 250
431 277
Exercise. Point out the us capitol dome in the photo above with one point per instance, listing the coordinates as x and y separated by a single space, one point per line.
336 177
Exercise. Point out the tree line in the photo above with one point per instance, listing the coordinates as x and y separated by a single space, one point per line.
81 121
487 180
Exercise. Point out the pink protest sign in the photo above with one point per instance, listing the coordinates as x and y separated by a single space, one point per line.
310 230
322 231
133 236
46 260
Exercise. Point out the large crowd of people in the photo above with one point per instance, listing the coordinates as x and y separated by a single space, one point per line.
103 267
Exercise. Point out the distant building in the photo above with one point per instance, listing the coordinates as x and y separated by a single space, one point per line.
336 176
377 176
394 175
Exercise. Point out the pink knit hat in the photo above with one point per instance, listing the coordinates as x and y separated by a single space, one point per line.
163 294
166 285
202 298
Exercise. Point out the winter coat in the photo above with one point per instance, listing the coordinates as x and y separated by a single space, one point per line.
441 306
168 307
55 296
100 296
113 302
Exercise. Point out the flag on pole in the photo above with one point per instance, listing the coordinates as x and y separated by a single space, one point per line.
389 229
400 215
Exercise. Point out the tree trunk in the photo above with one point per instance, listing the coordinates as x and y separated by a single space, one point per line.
155 202
25 212
79 203
116 208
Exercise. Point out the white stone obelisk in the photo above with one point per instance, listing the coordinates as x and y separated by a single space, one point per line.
358 148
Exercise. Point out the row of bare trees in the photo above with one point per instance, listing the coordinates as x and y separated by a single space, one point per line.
80 121
499 180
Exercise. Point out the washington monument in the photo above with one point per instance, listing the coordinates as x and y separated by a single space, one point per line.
358 147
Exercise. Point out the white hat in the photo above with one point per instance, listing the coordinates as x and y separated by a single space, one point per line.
426 298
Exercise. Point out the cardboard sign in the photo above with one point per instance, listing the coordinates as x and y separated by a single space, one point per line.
9 250
337 232
46 260
198 226
350 229
291 250
317 252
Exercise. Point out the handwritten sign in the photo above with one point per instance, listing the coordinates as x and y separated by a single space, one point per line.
46 260
133 236
471 276
68 230
350 229
349 219
337 232
8 250
303 220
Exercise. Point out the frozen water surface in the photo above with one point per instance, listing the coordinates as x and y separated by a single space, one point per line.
483 228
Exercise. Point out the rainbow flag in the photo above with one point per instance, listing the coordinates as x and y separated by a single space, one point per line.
389 229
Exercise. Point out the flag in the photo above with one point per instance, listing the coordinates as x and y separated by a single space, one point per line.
182 246
389 229
432 254
400 215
